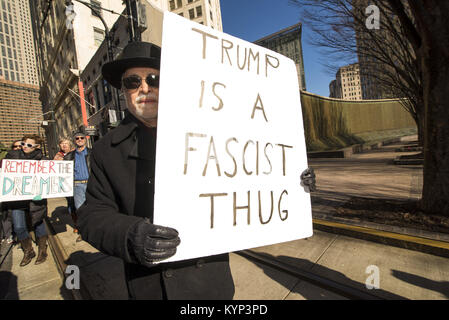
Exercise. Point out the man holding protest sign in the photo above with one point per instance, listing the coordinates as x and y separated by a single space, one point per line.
31 150
118 213
117 217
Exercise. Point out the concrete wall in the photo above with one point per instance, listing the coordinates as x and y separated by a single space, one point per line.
334 123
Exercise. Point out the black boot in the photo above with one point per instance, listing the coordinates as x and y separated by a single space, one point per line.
42 249
28 252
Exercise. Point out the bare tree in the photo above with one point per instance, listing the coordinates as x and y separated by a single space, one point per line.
428 33
409 58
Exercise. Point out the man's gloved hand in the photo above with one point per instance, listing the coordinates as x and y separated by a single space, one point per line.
149 243
308 180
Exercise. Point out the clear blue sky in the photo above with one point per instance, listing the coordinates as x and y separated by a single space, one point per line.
251 20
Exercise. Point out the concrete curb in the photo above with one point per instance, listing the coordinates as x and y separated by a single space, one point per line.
419 233
410 242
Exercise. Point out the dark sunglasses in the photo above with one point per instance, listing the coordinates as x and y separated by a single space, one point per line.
29 145
79 138
133 82
16 146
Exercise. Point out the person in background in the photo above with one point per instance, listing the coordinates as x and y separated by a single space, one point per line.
5 219
81 168
36 209
65 146
16 145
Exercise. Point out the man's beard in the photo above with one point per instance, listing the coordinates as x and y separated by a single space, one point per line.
143 97
139 110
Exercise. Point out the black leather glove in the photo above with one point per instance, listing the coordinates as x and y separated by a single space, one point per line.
149 243
308 180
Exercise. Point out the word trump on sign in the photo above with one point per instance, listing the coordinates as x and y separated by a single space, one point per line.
35 180
231 144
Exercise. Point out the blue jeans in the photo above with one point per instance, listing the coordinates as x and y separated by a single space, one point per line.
79 194
20 225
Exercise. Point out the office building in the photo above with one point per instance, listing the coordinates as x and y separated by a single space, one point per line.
17 54
205 12
20 111
347 84
66 38
334 90
288 43
20 108
381 52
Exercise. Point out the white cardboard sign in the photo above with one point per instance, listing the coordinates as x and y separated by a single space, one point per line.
230 146
35 180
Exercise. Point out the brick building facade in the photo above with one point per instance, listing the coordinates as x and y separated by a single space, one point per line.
20 111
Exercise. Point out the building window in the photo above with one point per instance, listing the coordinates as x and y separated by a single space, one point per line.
199 11
96 6
98 36
107 92
172 5
191 13
179 2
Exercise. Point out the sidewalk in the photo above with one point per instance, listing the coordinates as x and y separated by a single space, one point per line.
404 274
31 282
101 275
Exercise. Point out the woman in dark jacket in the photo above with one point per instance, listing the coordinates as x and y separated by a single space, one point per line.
37 210
6 222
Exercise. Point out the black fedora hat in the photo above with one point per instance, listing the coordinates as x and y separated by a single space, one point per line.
135 54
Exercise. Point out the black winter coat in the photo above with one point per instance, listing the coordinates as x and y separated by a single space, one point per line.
37 209
117 198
